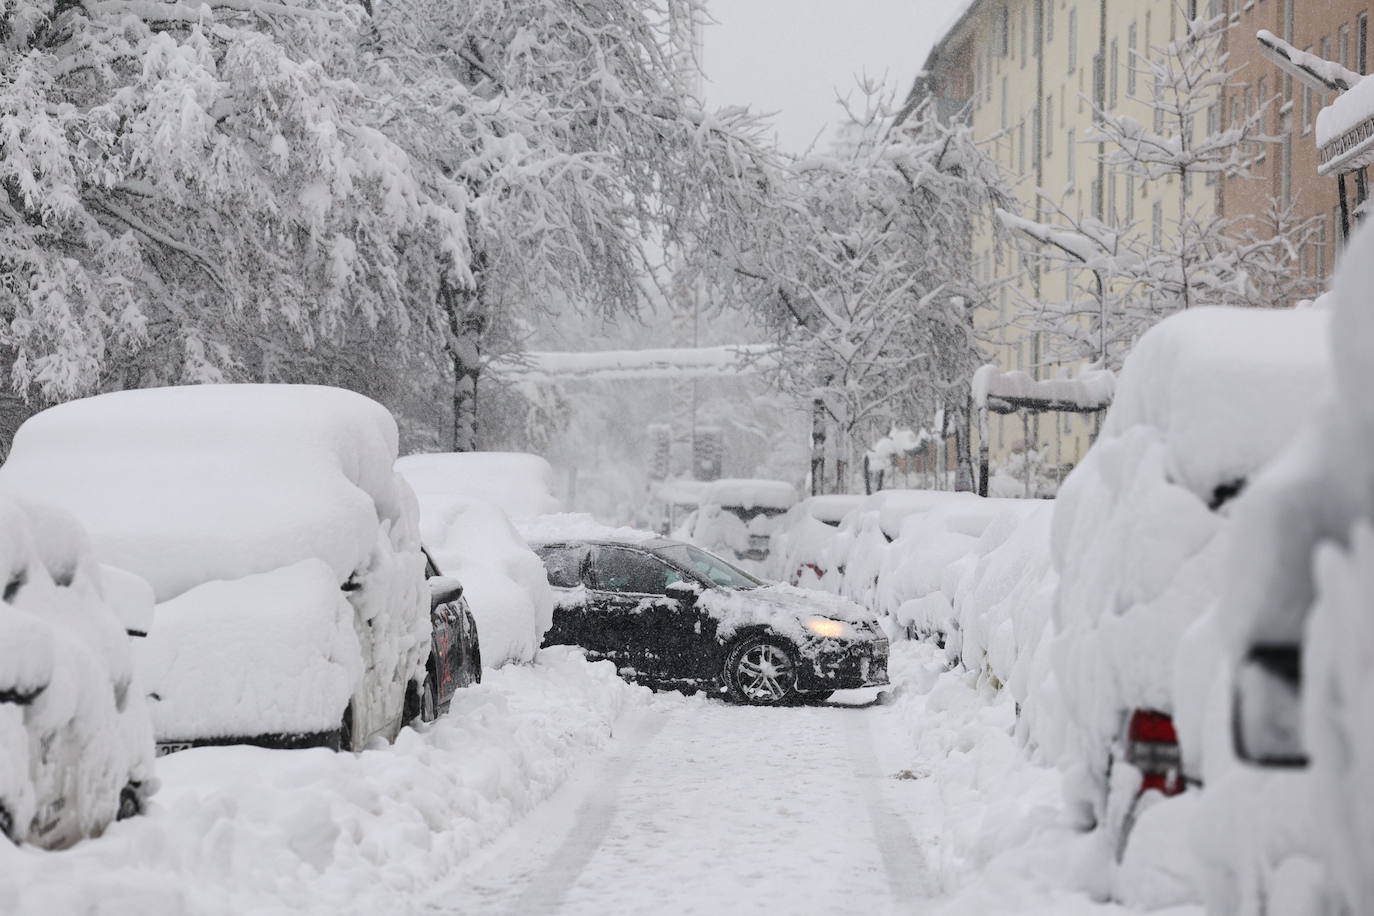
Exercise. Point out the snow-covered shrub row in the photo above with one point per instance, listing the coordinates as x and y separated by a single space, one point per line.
74 727
504 580
1298 573
247 830
518 483
800 544
247 508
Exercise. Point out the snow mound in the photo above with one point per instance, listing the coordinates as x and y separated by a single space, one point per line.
188 485
294 683
749 493
74 727
248 830
520 484
473 539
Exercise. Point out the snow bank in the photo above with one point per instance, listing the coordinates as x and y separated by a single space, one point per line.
247 830
520 484
802 540
74 727
293 683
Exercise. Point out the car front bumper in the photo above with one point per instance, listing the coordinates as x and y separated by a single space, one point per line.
829 664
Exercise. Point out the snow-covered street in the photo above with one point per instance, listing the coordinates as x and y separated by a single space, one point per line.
558 788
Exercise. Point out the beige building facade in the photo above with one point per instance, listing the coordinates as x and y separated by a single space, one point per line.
1029 74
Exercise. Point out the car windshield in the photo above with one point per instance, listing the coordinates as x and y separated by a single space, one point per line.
711 568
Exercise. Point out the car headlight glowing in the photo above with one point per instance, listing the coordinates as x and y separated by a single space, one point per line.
827 628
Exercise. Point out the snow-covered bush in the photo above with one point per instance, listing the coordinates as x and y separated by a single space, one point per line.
74 728
1298 574
737 516
472 538
248 508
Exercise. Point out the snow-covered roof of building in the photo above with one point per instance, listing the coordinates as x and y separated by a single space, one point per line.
1003 392
750 493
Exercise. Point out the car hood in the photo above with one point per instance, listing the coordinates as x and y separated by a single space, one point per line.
781 608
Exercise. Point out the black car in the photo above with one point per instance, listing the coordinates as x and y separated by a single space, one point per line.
669 614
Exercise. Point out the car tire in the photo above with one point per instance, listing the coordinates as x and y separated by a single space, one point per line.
130 802
761 670
346 729
472 652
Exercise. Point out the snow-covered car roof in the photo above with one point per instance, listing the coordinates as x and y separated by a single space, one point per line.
831 508
1224 387
750 493
191 484
520 483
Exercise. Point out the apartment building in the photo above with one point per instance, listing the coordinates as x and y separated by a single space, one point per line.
1029 74
1336 30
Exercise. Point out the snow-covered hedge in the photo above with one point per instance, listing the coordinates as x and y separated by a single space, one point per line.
270 492
473 539
74 726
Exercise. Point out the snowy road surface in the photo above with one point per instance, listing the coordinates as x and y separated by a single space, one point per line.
712 808
559 788
699 807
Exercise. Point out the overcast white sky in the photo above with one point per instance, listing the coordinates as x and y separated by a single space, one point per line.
790 56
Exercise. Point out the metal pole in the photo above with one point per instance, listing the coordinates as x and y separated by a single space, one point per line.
1345 208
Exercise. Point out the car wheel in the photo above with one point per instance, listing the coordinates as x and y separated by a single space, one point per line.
346 729
761 671
472 652
130 804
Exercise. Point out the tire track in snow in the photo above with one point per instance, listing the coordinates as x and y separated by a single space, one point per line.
904 860
549 886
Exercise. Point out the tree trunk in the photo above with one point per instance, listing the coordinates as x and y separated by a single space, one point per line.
963 474
467 325
817 447
465 376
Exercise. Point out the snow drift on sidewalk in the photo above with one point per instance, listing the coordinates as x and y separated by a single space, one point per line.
241 829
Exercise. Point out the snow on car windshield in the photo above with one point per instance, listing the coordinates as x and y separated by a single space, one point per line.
711 567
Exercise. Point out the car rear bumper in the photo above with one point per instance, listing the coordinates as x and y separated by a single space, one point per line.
843 666
291 741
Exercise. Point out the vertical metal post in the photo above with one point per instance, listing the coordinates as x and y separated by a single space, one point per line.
982 451
1345 208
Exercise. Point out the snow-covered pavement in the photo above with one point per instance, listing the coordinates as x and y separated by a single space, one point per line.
558 788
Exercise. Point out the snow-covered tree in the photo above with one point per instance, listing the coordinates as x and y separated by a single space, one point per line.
865 274
1192 257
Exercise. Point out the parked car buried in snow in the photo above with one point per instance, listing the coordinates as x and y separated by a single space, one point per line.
282 549
455 654
671 615
739 515
76 743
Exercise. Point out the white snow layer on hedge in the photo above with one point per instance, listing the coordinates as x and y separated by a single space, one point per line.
295 682
84 732
519 483
191 484
247 830
473 540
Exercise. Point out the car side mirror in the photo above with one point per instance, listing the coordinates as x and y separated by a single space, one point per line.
1266 707
443 589
686 592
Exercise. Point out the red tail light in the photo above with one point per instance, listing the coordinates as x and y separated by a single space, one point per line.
1152 746
811 566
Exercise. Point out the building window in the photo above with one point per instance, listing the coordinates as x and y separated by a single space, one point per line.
1069 158
1006 30
1130 199
1115 64
1362 43
1130 61
1021 148
1343 46
1288 20
1286 174
1049 122
1004 103
1073 40
1049 21
1324 52
1113 217
1158 96
1307 100
1157 224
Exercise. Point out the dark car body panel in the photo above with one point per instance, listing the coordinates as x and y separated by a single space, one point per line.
669 642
